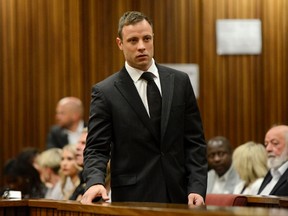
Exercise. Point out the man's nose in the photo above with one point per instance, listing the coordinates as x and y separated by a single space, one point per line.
217 157
141 45
268 147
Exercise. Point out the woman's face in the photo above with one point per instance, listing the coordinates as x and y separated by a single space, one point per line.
68 163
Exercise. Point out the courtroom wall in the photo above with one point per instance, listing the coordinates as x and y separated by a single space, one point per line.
55 48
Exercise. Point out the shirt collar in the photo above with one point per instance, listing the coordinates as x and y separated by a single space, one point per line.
226 175
279 171
135 74
79 128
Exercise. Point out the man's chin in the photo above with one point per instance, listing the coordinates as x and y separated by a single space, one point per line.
143 64
275 162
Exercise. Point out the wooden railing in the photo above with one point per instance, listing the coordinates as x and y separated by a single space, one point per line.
42 207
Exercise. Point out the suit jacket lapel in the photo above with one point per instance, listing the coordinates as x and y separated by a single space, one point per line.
167 87
283 179
266 180
127 88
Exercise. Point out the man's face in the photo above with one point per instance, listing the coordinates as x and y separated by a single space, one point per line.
80 148
218 156
276 147
137 45
64 116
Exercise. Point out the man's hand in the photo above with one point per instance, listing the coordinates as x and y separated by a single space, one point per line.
195 199
94 192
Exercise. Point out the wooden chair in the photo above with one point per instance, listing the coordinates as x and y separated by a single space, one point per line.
226 200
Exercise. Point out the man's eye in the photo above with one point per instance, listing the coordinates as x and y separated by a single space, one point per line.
211 155
132 40
147 39
274 143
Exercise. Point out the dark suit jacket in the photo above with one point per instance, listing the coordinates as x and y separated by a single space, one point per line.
56 138
145 167
281 188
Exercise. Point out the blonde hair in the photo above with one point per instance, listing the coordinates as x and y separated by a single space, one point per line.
71 148
50 158
250 161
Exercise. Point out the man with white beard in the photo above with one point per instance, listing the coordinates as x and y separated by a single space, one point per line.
276 180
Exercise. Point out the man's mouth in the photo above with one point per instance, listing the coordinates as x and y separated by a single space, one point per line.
271 156
141 56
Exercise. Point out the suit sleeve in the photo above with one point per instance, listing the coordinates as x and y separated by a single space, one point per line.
195 145
97 150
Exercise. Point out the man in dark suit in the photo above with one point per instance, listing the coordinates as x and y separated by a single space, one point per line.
168 165
69 117
276 180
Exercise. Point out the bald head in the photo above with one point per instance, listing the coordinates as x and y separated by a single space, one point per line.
69 112
73 104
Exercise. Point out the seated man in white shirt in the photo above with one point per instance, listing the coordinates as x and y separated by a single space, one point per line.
222 178
276 180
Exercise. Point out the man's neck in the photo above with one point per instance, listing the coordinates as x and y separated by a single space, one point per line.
74 126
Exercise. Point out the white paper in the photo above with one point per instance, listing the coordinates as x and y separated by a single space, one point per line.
193 72
238 36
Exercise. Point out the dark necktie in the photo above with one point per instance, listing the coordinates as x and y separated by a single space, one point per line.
154 101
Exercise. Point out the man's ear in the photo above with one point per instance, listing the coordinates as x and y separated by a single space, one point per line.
119 43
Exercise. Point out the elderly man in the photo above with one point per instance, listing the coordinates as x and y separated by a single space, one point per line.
69 118
276 180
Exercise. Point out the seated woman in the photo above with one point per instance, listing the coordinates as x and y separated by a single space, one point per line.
250 161
49 168
21 174
70 171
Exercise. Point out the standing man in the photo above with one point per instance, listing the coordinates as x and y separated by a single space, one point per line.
69 118
276 180
155 157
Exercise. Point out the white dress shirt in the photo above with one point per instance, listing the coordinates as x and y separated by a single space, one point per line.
276 174
220 183
74 136
251 189
141 84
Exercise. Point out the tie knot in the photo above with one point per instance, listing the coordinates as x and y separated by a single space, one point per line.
148 76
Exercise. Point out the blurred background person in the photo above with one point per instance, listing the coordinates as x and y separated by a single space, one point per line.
21 174
11 179
69 118
79 191
222 177
70 171
49 168
276 180
250 162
